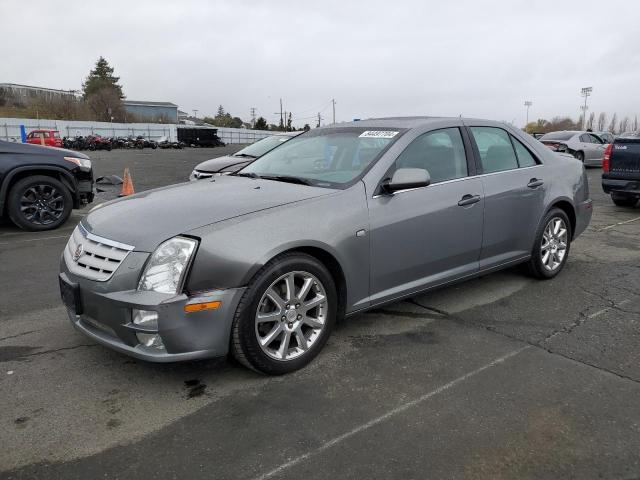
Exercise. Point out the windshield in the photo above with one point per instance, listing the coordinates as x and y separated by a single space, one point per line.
558 136
327 157
261 147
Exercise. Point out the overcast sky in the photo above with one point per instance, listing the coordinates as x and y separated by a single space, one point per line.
376 58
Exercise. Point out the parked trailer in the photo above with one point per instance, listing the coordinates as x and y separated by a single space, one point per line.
200 136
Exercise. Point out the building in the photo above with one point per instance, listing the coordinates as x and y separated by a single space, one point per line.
27 93
166 112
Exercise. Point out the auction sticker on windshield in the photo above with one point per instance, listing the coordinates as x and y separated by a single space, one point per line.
378 134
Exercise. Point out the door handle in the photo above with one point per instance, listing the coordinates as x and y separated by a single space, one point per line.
469 200
535 183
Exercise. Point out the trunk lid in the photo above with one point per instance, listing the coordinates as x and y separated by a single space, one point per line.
625 156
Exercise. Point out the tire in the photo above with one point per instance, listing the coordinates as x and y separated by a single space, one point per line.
541 265
39 203
624 200
274 317
579 156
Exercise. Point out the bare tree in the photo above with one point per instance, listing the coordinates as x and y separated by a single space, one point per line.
624 125
106 103
635 123
602 121
591 121
614 124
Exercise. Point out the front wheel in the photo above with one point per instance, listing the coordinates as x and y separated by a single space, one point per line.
39 203
285 316
551 247
624 200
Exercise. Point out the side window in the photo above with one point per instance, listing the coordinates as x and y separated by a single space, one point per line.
525 159
585 138
440 152
45 134
30 135
496 151
595 139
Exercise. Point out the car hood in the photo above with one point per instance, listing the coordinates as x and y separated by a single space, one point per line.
146 219
223 164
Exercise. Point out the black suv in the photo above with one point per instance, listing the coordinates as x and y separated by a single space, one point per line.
621 171
39 186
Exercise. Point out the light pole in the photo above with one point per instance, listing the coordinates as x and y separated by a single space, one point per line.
527 103
585 92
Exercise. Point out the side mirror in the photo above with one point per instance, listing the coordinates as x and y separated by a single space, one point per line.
406 178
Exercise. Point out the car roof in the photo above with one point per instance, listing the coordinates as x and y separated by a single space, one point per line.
410 122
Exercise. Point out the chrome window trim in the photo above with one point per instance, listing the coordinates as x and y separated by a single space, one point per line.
377 195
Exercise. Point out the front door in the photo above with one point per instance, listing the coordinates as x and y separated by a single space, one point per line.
423 237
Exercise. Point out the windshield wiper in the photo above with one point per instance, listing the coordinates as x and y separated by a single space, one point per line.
244 155
288 179
247 174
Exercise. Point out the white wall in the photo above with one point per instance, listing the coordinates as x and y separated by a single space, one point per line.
10 130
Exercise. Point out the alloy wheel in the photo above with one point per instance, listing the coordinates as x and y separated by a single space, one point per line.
42 204
554 244
291 315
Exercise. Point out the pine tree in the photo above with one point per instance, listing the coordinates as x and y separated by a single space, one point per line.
100 78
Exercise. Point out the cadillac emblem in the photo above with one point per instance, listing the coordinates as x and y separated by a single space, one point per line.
78 253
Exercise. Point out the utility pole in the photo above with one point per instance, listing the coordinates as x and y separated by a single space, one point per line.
253 117
281 121
195 113
333 103
527 104
585 92
319 120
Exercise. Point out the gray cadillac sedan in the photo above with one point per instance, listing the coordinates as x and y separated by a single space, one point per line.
333 222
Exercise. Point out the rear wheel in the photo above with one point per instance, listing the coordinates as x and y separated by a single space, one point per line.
39 203
551 248
285 316
624 200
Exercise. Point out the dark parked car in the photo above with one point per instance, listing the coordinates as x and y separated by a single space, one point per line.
331 223
39 186
232 163
621 171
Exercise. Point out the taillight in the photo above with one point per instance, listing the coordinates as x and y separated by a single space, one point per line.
607 157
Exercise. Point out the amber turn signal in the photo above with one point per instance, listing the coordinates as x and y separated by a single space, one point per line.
198 307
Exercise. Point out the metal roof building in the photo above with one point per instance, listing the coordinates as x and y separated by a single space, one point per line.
166 112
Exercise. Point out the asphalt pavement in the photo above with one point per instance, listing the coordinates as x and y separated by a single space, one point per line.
500 377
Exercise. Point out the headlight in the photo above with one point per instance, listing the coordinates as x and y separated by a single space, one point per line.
167 266
81 162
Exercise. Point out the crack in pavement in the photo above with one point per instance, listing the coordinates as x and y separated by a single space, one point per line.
538 345
18 335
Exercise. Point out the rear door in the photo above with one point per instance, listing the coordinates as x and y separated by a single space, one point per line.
425 236
514 187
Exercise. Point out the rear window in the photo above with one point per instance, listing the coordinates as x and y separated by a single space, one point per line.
56 134
557 136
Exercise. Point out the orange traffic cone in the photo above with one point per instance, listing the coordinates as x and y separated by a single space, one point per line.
127 184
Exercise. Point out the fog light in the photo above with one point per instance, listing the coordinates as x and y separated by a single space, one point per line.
146 318
152 340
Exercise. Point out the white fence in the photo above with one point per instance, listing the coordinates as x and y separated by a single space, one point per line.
10 130
241 135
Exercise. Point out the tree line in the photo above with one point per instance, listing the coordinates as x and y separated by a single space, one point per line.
601 123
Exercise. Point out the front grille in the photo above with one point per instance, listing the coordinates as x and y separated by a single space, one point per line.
93 257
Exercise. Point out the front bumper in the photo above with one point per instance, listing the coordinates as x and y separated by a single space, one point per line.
105 316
